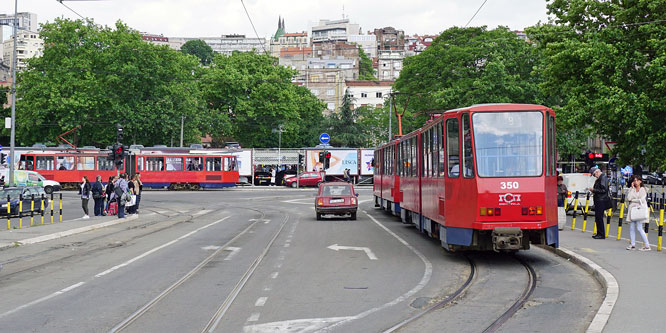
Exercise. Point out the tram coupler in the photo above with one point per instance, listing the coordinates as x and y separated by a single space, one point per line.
507 239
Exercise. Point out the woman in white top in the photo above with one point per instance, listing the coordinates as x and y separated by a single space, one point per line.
635 195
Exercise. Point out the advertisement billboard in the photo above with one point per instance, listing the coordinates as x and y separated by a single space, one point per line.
340 160
244 158
367 155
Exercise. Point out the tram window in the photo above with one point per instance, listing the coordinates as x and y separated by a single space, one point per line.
194 163
174 164
139 163
548 138
154 163
45 163
85 163
65 162
441 170
553 149
27 163
468 161
434 151
213 164
104 164
415 157
227 164
453 147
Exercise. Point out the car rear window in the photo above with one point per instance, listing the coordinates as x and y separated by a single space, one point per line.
332 190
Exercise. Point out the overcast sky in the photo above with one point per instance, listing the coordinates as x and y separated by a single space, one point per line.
199 18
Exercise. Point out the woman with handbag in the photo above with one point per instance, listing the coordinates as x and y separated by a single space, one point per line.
638 212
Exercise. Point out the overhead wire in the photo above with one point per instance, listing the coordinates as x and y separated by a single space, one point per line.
251 23
477 11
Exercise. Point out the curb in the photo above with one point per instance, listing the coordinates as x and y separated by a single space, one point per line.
61 234
605 278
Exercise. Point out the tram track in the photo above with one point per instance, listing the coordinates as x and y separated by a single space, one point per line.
228 301
459 293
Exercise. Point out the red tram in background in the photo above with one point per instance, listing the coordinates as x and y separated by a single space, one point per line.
172 168
476 178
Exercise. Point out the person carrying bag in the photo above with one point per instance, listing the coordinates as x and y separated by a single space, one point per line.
639 212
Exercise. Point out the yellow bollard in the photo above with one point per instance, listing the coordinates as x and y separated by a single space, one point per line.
51 208
661 224
41 208
32 210
575 210
9 213
586 211
60 207
609 213
20 211
619 223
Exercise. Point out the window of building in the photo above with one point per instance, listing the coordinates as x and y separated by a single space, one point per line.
330 92
315 91
331 106
364 95
378 94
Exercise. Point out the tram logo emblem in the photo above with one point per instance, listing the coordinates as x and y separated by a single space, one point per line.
509 199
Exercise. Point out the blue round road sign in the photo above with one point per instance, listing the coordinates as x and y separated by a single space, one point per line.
324 138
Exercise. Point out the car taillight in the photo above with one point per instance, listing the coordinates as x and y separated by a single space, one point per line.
320 202
353 201
532 210
489 211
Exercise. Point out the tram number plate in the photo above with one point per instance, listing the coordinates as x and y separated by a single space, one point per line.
337 200
508 185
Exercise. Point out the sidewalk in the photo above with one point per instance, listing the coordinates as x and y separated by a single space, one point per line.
42 233
638 274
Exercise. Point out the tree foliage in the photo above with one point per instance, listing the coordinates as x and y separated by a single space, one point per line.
606 63
366 71
344 127
199 49
466 66
96 77
249 96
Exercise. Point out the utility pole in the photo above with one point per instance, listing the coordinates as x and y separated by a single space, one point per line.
182 123
390 114
13 130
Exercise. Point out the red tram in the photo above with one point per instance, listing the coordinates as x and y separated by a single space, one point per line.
160 168
476 178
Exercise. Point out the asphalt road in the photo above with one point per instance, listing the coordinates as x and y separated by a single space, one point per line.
249 260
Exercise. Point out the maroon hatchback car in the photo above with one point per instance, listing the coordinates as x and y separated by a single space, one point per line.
336 198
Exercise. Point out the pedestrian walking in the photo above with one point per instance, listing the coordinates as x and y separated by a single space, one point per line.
140 189
637 198
602 201
98 196
272 177
84 191
133 187
347 176
562 192
120 191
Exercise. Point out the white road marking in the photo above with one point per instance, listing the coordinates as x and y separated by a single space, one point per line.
201 212
293 326
265 221
157 249
261 301
234 251
254 317
267 288
367 250
210 248
274 275
286 245
45 298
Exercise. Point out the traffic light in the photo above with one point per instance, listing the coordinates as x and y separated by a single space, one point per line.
119 156
300 159
327 160
3 160
119 133
112 154
321 157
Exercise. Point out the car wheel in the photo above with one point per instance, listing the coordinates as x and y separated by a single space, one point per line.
353 216
293 185
48 189
318 216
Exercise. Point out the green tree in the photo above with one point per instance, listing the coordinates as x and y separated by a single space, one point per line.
249 95
366 71
199 49
606 62
96 77
466 66
343 126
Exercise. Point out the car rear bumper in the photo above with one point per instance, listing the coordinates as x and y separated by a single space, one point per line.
337 210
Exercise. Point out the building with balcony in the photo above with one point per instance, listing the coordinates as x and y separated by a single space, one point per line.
389 38
226 44
334 30
369 93
389 64
28 45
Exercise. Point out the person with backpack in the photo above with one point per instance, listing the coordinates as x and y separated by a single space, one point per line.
98 196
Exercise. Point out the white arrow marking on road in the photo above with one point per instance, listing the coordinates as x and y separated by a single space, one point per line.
293 326
210 248
266 221
234 251
367 250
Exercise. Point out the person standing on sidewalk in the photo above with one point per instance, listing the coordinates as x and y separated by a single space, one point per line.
602 201
138 195
98 196
109 193
635 197
120 189
84 191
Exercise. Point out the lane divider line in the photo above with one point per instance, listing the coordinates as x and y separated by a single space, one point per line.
45 298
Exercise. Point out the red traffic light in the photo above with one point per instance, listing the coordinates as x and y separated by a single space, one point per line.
119 150
328 154
590 155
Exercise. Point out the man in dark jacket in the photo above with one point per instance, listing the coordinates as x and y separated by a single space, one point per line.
98 196
601 201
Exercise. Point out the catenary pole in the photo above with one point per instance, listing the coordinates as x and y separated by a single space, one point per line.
182 124
13 129
390 114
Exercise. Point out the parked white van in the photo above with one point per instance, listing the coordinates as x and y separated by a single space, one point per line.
580 182
30 178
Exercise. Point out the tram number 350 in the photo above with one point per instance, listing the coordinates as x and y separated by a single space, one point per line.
508 185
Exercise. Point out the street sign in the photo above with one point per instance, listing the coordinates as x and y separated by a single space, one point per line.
324 138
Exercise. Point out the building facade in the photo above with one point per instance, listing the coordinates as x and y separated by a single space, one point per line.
367 42
334 30
369 93
389 38
389 64
28 45
226 44
416 44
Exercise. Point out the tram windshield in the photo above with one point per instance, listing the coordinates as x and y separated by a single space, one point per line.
508 144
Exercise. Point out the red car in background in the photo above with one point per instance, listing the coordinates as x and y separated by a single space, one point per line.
307 179
336 198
